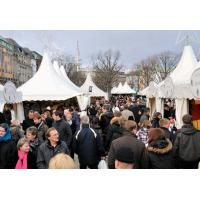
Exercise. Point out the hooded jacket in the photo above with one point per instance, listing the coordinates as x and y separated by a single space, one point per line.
160 155
187 144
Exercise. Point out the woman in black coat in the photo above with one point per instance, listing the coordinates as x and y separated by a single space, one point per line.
156 118
159 150
115 131
8 149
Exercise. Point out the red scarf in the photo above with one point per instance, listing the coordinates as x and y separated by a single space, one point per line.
22 161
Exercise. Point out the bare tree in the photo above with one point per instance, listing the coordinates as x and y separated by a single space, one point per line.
146 69
107 69
156 68
166 62
134 79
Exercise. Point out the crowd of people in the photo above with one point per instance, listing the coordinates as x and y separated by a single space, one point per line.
120 132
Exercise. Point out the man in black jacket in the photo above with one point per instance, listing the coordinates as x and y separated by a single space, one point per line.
50 148
104 121
63 128
88 145
187 145
164 125
128 140
29 121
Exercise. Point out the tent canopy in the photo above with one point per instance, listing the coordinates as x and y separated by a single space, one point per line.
46 85
116 90
125 89
89 88
63 73
180 77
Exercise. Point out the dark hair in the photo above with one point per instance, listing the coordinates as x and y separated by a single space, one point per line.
33 130
59 113
154 135
187 119
30 111
146 110
156 114
47 135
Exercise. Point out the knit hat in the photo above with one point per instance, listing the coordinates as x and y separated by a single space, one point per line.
125 154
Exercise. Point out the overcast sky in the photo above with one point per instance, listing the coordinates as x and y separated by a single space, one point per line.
133 45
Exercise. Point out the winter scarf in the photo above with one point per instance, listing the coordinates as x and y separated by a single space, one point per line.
7 136
22 161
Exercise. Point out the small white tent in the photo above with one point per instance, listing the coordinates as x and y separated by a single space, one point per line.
118 89
125 89
89 88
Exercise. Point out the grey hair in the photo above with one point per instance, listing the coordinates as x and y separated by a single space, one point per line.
85 119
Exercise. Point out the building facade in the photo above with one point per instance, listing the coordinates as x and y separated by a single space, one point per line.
6 61
17 64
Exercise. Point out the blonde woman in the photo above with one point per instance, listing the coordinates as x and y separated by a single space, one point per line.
24 158
61 161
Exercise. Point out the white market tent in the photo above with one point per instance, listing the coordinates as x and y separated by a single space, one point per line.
177 85
144 91
57 68
63 73
113 90
116 90
89 88
47 85
125 89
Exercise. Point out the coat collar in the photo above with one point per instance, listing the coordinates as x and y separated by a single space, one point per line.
164 150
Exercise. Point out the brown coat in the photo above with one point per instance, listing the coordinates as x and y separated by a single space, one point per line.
128 140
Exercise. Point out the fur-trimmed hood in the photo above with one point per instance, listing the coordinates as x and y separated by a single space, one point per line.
165 147
115 120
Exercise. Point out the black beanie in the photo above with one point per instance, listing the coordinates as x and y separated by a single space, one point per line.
125 154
